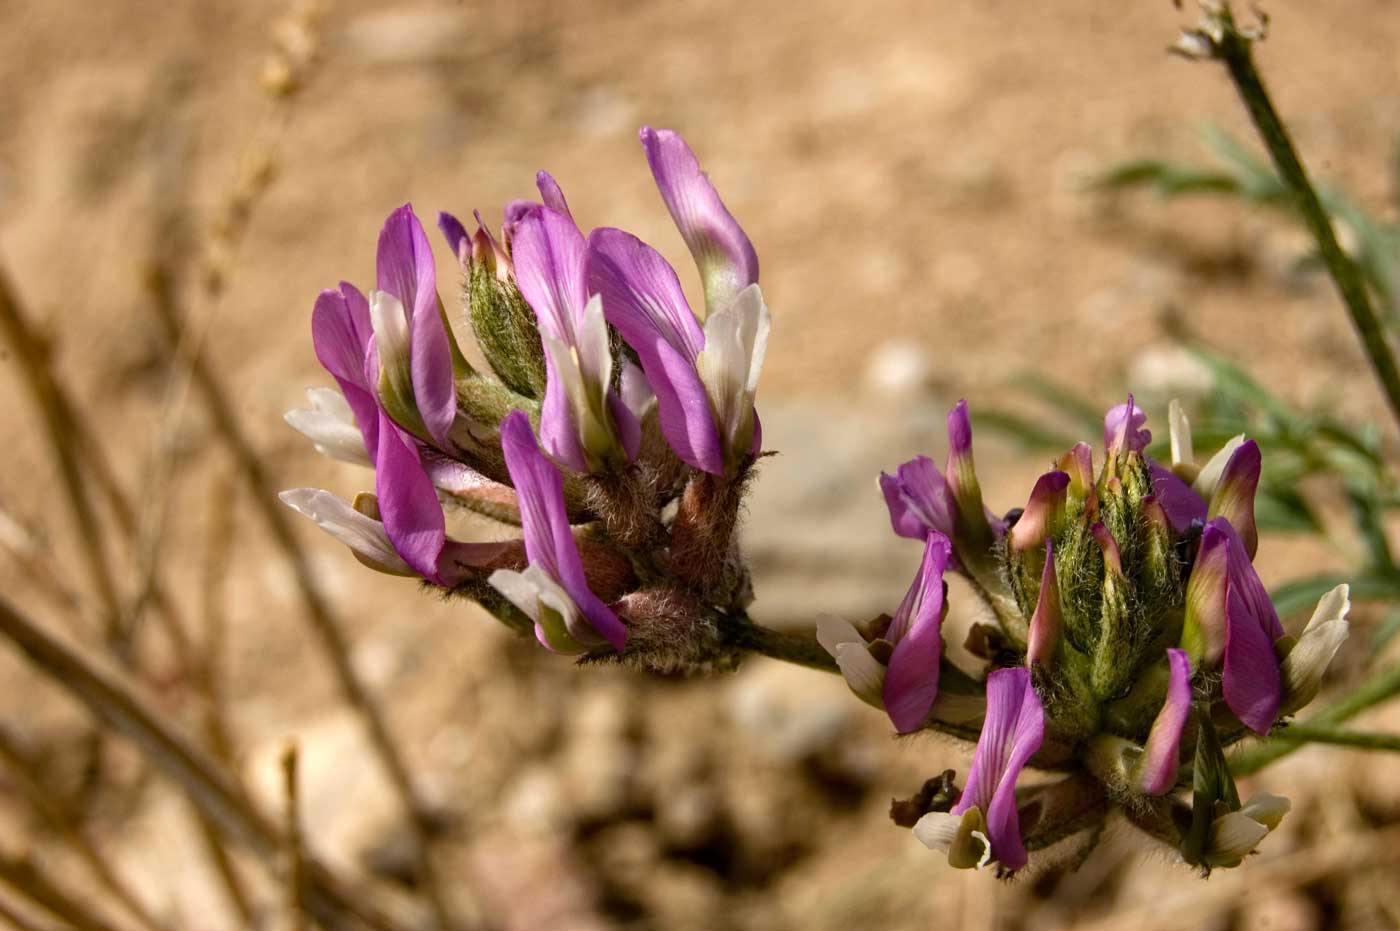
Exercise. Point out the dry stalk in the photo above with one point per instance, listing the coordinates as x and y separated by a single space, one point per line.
296 861
208 784
56 813
26 879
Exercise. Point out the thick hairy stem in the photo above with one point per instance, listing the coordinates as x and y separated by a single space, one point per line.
1233 49
801 649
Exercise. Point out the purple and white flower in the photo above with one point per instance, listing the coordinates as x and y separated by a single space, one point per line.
553 590
704 378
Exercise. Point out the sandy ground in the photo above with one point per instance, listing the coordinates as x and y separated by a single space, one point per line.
911 175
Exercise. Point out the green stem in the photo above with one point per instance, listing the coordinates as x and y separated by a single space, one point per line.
1365 740
799 648
1383 685
1233 49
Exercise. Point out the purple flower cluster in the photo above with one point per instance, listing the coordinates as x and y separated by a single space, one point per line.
1133 639
423 425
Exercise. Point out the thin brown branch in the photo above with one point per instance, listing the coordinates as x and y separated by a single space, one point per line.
318 611
26 879
296 861
207 783
33 357
22 768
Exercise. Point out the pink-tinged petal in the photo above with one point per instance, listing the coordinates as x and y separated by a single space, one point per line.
1177 500
457 238
1250 678
1047 623
408 505
548 251
1156 771
405 269
722 251
341 333
918 499
629 431
1122 428
549 540
643 300
911 684
551 194
1078 463
1112 555
1044 512
1234 495
960 474
1011 735
1203 632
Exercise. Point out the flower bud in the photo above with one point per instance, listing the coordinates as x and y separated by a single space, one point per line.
502 321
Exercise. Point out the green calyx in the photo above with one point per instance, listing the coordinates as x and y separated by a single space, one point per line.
506 330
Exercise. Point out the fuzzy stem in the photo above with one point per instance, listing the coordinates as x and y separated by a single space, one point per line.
1365 740
1233 49
801 649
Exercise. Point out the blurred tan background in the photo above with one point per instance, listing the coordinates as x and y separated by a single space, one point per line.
912 177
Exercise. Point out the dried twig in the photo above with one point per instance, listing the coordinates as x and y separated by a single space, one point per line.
24 877
59 818
324 622
203 779
296 861
34 369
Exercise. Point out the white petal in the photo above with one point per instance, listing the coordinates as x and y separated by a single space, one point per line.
364 535
330 425
636 391
1267 809
391 339
1210 473
736 341
1180 426
1233 837
833 630
958 836
594 351
937 830
1332 606
862 672
518 590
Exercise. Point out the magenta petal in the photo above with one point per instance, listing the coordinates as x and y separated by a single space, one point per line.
643 299
1234 495
918 500
340 333
408 504
1158 766
558 434
405 269
1122 428
911 682
552 196
548 251
1044 510
456 235
1251 681
1246 581
1047 621
1011 735
1178 501
629 431
722 251
549 540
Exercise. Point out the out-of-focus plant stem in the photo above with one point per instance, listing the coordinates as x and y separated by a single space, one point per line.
208 784
1233 49
1383 685
1364 740
324 622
